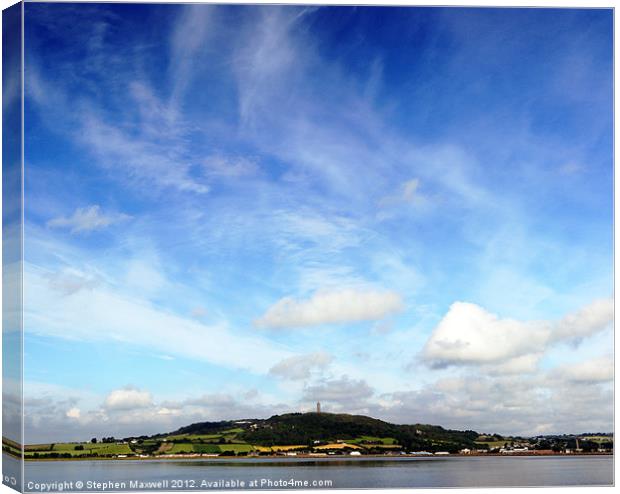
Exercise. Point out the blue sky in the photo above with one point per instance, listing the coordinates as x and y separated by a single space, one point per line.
236 211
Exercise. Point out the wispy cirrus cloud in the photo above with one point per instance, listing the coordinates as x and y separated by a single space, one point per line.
105 313
408 193
193 27
145 142
230 166
87 219
284 175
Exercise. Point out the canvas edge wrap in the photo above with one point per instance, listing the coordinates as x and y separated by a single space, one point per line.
12 243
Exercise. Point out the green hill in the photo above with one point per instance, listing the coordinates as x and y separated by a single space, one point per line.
310 428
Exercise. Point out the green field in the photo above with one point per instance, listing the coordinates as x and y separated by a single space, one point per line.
371 440
195 437
101 449
207 448
64 447
192 444
38 447
111 449
237 448
178 448
11 447
598 439
189 448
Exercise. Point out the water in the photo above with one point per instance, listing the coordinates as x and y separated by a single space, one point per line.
342 473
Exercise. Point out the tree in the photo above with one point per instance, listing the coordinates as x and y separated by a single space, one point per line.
79 447
93 440
544 444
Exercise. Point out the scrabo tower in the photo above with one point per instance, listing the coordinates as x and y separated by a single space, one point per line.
318 407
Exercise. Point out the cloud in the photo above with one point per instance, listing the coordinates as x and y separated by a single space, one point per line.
554 402
57 413
408 193
198 312
470 335
341 395
514 404
410 189
108 313
87 219
128 399
264 59
162 163
326 307
11 92
339 391
215 400
335 150
524 364
595 370
152 153
192 30
300 367
585 321
230 166
69 281
571 168
145 275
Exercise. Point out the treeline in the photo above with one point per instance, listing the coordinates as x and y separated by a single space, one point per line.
585 446
56 455
297 428
205 427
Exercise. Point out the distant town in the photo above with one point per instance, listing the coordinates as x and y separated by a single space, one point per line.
316 434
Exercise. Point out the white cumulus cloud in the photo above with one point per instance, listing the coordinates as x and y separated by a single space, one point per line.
348 305
128 399
468 334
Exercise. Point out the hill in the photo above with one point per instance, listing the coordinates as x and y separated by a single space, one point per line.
313 428
310 433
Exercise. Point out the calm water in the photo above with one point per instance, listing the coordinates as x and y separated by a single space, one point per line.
342 473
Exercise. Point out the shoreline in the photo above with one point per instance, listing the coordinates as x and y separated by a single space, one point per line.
310 457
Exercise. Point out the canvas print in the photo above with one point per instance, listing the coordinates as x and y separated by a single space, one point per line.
306 247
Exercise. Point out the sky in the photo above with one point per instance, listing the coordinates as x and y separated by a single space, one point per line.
238 211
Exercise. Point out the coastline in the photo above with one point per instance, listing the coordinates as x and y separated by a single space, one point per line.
311 457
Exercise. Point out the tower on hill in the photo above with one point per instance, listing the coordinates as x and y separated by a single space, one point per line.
318 407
